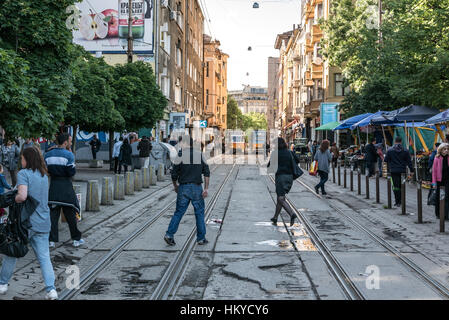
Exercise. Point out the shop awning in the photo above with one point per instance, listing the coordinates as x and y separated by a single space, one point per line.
328 126
346 124
439 118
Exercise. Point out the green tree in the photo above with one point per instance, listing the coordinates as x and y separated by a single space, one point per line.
256 121
235 119
138 97
36 31
409 65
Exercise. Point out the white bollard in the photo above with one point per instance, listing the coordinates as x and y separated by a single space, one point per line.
92 199
107 192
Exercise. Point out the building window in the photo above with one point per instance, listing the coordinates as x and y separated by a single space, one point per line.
179 57
178 93
207 97
339 89
207 69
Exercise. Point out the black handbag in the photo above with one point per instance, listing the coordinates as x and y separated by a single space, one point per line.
297 171
432 197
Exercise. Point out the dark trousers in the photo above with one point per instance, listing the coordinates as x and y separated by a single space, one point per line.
397 186
70 216
324 176
13 174
94 154
116 164
446 199
125 168
371 168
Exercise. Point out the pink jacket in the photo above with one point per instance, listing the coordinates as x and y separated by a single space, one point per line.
437 169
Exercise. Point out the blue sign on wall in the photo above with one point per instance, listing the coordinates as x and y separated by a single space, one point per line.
329 113
203 123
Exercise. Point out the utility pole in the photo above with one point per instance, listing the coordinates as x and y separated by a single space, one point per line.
130 32
380 21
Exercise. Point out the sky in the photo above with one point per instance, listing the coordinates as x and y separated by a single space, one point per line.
237 26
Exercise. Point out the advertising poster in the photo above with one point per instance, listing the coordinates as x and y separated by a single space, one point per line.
329 113
103 25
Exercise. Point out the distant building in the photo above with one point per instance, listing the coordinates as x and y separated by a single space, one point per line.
215 84
273 88
251 99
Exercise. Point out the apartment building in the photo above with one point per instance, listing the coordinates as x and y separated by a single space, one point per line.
273 86
251 99
215 84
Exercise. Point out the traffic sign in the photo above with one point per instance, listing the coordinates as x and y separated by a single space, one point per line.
203 123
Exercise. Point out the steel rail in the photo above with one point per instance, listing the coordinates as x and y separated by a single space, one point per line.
114 252
437 286
350 289
176 267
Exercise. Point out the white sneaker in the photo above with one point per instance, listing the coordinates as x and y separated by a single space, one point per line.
52 295
51 244
3 288
77 243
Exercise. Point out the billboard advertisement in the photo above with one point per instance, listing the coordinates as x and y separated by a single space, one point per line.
103 25
329 113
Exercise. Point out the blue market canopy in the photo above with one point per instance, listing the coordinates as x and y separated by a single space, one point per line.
409 125
367 121
346 124
439 118
409 114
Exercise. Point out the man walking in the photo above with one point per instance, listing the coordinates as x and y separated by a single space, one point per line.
61 167
144 148
371 157
95 146
398 159
116 153
188 170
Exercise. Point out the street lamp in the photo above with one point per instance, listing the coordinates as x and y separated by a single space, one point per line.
255 5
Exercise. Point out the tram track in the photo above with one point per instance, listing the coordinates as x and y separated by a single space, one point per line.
434 284
335 267
113 254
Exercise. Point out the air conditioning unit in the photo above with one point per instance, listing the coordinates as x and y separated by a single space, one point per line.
164 3
173 15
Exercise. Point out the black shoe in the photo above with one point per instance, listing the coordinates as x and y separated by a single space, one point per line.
292 220
323 193
317 190
275 221
170 241
397 205
202 242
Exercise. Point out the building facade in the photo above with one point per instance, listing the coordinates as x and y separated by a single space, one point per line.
272 91
251 99
215 84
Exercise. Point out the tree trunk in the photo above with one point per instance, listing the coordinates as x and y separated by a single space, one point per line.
74 140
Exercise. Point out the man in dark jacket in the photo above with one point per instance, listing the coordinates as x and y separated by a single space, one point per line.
371 157
398 159
144 148
95 145
61 168
188 170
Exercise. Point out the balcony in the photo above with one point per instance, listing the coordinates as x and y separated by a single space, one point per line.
317 33
219 101
297 83
308 75
309 83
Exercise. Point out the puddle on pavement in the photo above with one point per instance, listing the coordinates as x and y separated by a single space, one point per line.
301 244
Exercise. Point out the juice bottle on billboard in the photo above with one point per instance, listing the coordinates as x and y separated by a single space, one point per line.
138 15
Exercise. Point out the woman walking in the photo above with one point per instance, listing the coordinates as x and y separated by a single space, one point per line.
440 178
10 157
33 181
282 160
324 158
125 156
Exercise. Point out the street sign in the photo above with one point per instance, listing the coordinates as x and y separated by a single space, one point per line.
203 123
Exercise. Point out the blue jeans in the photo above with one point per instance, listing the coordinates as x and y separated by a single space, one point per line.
189 193
39 243
324 177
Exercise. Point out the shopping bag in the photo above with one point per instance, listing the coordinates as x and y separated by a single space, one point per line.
313 168
432 197
297 171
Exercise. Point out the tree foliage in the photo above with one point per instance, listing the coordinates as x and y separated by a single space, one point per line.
138 97
36 32
409 66
92 105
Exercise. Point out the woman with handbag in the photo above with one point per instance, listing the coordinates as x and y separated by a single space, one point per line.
324 157
285 163
440 178
32 181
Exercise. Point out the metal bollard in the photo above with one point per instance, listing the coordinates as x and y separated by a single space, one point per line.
377 188
389 191
367 185
339 174
344 177
333 172
419 191
403 194
129 183
119 187
92 200
107 191
359 182
442 208
351 179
